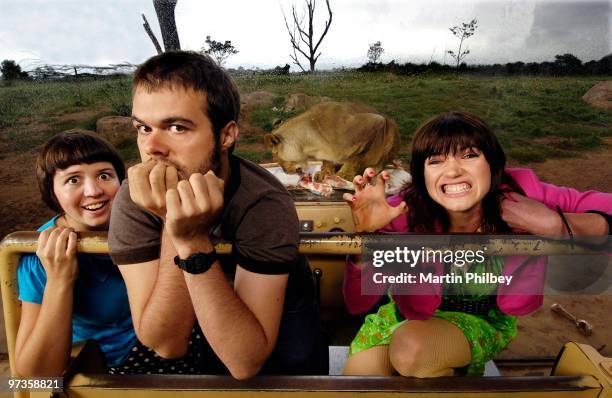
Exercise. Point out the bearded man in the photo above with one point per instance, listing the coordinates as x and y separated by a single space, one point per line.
193 311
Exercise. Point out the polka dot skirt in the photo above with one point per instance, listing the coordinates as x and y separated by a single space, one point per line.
143 360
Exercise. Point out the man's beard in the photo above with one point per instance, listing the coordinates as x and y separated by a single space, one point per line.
212 163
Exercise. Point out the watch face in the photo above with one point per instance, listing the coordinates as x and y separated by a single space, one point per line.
197 263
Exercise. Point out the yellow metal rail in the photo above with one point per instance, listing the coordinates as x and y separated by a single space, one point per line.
330 243
15 244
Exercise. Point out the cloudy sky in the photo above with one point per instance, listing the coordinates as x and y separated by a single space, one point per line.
100 32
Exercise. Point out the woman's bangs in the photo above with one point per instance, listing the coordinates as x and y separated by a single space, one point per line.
77 151
446 141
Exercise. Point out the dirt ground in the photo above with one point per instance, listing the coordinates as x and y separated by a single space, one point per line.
21 208
592 170
540 335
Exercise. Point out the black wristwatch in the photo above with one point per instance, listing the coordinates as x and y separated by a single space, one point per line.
197 263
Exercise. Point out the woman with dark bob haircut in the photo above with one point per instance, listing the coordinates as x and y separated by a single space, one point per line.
460 184
68 297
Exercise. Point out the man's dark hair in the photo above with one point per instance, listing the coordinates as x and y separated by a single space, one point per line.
192 70
67 149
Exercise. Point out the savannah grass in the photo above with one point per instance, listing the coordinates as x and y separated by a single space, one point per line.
535 118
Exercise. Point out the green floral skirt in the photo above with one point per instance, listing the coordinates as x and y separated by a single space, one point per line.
488 335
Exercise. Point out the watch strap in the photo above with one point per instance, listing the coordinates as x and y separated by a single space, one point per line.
197 263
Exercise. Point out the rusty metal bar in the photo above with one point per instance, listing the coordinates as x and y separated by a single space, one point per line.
17 243
9 260
330 243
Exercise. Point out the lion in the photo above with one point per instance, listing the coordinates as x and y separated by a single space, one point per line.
338 133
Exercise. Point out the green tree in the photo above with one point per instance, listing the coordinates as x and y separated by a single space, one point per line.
219 51
568 63
463 32
12 71
375 51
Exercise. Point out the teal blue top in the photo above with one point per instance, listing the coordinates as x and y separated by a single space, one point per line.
101 309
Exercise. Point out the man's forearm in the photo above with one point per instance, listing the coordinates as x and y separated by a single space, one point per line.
168 317
230 327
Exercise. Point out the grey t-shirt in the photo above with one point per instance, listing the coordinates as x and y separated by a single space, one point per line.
260 221
258 218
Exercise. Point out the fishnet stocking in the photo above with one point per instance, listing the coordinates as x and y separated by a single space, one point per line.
430 348
371 362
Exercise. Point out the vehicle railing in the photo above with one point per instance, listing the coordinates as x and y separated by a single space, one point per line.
332 243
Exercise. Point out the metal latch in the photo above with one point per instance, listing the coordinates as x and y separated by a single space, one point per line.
306 225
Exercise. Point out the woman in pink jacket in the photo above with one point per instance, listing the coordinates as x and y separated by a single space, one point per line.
459 185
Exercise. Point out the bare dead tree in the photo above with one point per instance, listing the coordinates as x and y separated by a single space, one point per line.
167 24
165 15
302 35
147 29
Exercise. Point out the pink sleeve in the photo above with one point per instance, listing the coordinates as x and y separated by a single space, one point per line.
355 302
525 294
573 201
400 223
419 300
530 273
569 199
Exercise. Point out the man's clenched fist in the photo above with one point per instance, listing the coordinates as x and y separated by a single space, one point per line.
149 182
193 207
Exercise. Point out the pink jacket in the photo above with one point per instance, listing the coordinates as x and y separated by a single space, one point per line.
529 272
